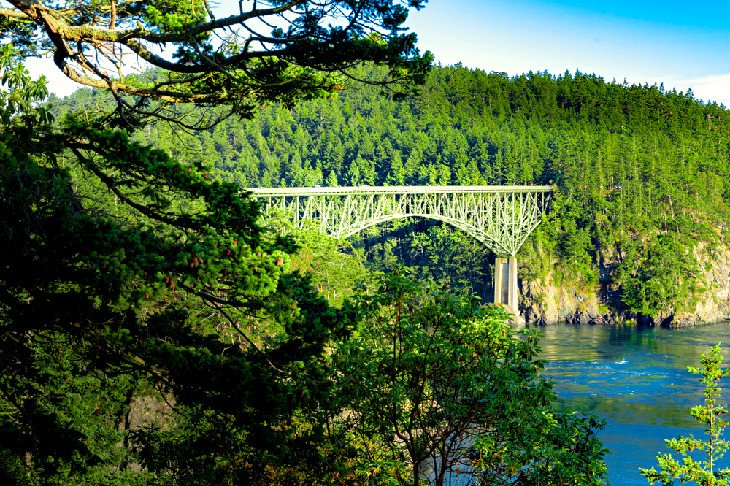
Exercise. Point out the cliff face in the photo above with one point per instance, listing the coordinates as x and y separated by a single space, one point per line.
548 300
714 303
564 298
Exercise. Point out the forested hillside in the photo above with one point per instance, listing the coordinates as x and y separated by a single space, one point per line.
154 332
643 176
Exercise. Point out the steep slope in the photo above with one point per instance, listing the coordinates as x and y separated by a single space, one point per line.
638 229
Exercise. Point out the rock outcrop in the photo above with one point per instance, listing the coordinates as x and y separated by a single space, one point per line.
714 304
543 301
565 298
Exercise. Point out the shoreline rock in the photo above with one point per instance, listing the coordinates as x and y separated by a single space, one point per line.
542 302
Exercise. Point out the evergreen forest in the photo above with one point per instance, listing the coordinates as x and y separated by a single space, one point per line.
642 176
155 331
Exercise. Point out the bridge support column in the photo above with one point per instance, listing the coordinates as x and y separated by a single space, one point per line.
505 283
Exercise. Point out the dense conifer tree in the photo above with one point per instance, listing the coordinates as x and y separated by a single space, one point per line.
133 277
637 169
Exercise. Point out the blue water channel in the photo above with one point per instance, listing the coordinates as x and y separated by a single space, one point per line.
635 379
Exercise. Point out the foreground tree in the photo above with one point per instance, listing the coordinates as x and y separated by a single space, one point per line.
437 385
178 297
127 275
691 470
241 55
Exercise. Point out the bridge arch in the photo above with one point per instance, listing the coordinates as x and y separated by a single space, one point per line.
460 225
501 217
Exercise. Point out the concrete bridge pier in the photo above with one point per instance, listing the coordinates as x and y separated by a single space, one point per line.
505 283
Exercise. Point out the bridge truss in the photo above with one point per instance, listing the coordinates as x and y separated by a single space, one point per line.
501 217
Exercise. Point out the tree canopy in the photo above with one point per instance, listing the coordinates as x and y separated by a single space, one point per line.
643 174
241 54
439 386
178 291
151 330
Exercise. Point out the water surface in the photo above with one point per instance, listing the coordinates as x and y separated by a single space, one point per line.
635 379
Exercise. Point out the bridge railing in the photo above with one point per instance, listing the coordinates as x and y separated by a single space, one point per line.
343 191
501 217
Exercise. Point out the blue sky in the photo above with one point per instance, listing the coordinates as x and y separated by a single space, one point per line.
683 45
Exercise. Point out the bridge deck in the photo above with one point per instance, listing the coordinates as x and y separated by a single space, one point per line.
501 217
343 191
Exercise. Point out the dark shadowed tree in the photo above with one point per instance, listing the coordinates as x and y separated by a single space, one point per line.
128 275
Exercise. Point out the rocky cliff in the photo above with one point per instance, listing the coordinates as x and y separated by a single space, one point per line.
557 297
714 303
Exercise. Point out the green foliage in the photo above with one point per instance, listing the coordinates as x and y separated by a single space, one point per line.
178 299
639 170
433 250
173 16
334 266
691 470
654 278
436 385
231 56
63 421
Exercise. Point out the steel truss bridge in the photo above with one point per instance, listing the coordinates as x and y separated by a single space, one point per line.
501 217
